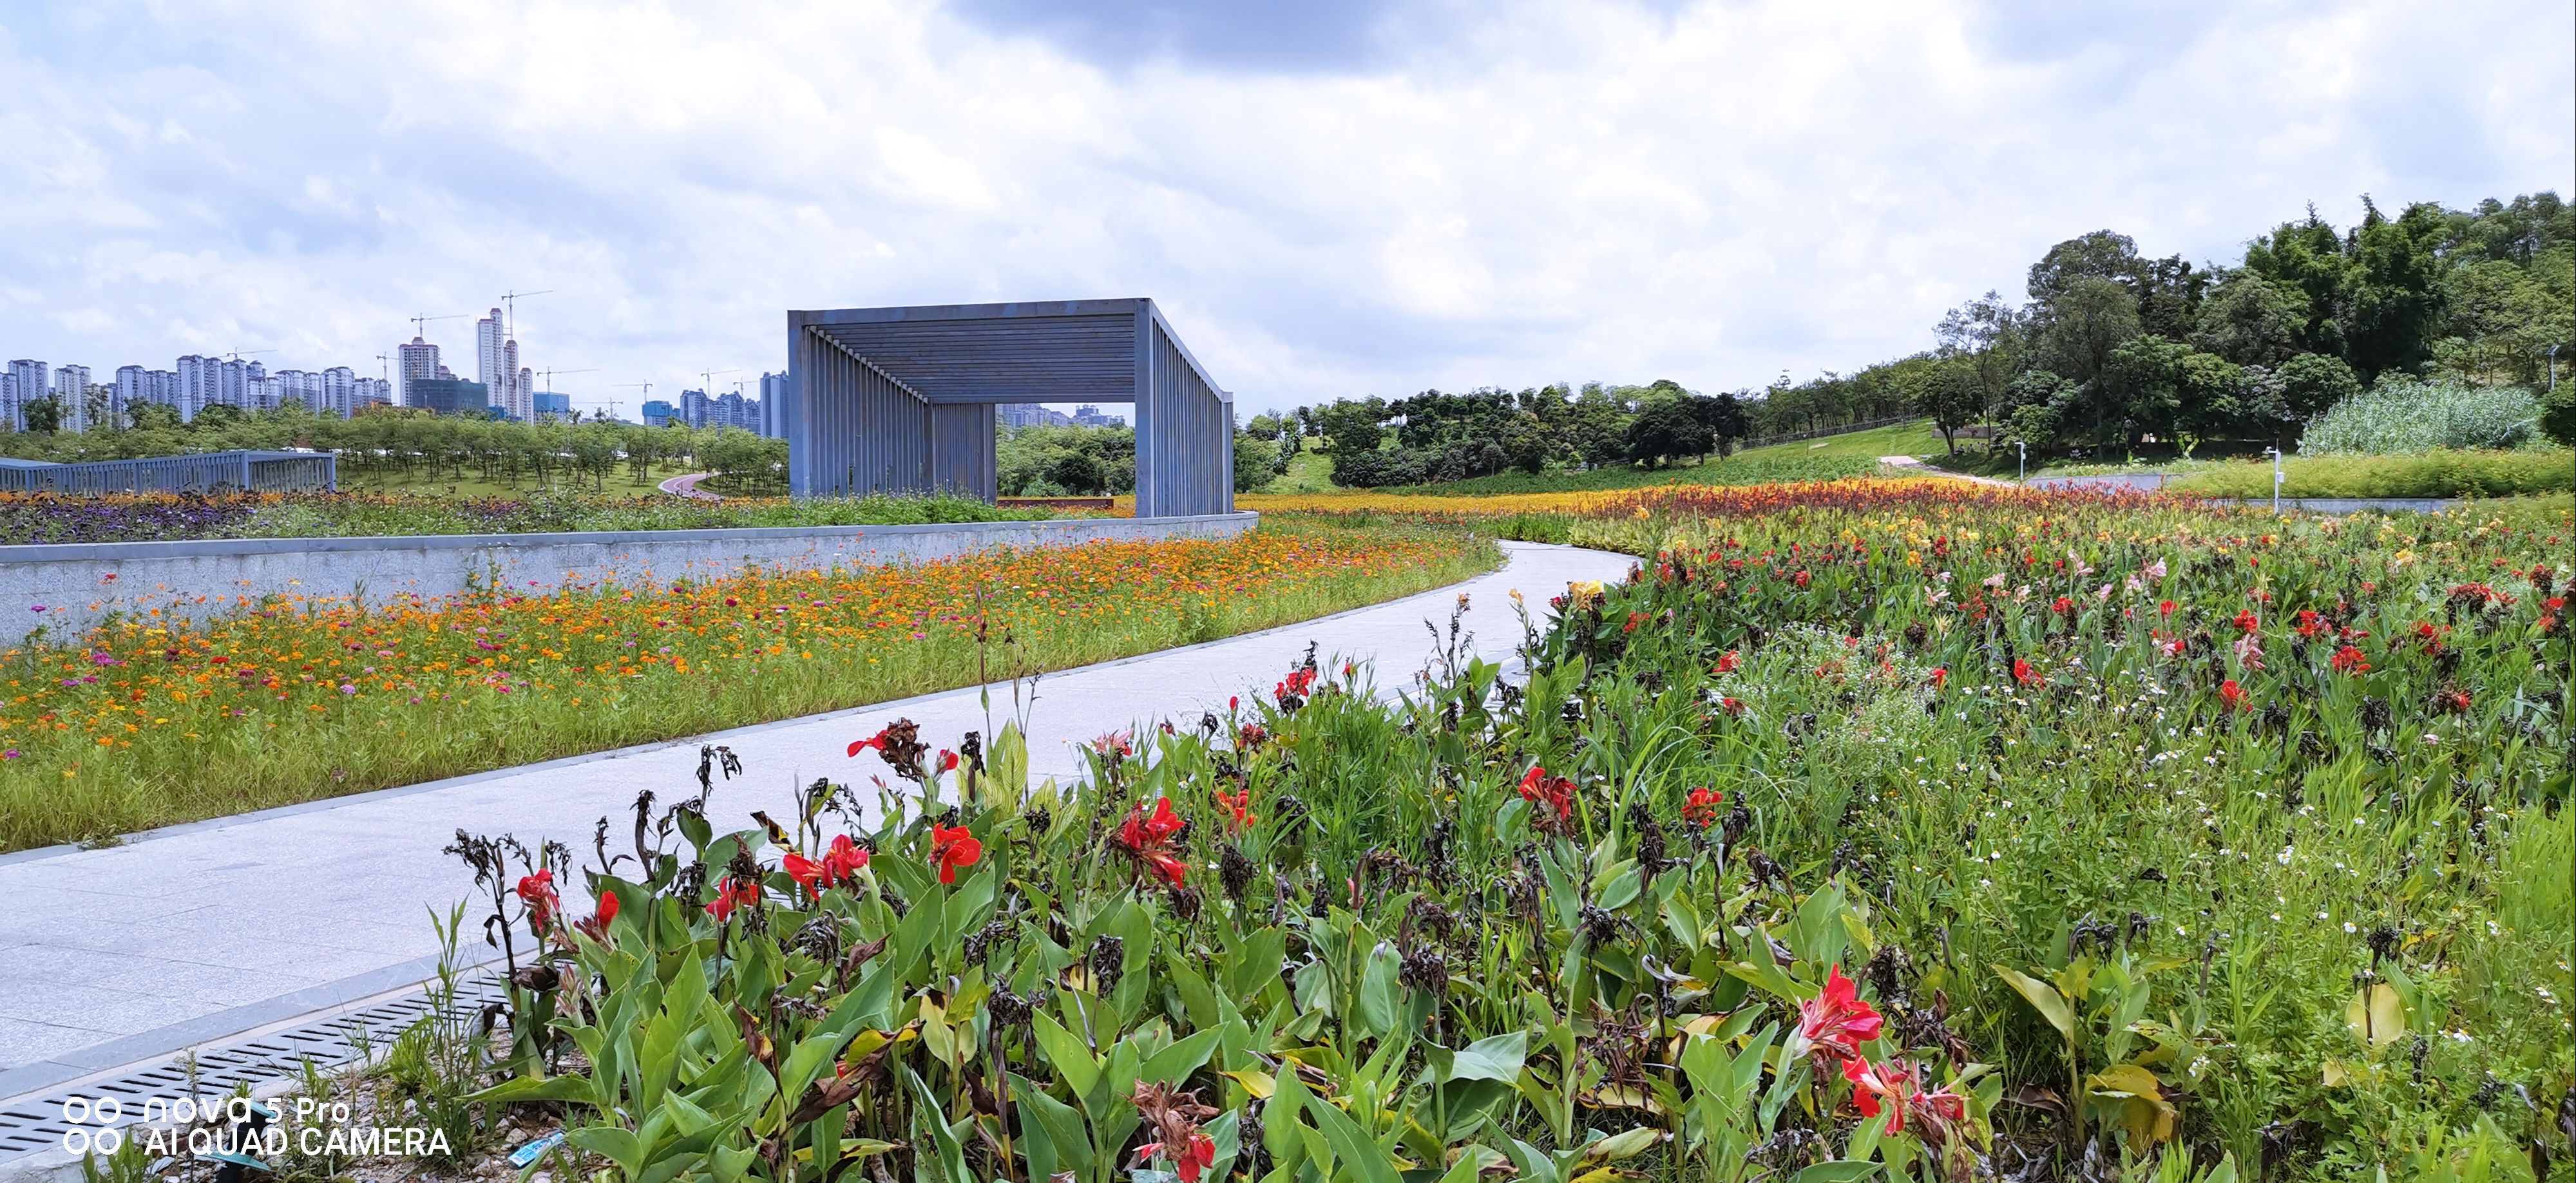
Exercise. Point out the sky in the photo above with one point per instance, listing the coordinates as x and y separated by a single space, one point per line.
1328 199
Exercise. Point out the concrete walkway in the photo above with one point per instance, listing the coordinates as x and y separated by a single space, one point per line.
686 485
109 957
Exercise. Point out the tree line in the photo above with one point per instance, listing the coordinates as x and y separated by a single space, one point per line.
2110 349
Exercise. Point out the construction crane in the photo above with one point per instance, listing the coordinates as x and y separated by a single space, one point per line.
419 323
707 378
647 387
239 354
510 304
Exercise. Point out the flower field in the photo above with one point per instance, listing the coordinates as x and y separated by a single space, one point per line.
1895 830
139 725
55 518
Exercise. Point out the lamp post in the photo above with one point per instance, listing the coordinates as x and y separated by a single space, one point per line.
2277 478
2021 465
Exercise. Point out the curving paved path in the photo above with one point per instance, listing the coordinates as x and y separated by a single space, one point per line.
109 957
686 485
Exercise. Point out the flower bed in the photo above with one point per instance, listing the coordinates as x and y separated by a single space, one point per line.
1981 835
147 722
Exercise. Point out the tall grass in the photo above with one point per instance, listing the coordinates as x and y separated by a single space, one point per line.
2400 415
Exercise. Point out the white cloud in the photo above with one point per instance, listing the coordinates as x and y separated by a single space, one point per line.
1391 197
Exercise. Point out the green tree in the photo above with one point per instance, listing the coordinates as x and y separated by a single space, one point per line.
2308 256
44 416
2392 302
2312 382
2251 320
1664 429
1988 333
2079 325
1950 393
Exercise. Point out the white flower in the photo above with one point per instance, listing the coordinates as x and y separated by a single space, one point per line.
2348 926
2283 858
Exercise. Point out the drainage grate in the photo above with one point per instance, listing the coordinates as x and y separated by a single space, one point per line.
37 1121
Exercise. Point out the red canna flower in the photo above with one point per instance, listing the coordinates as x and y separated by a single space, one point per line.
1836 1022
1701 809
2348 660
538 893
2245 621
876 741
840 864
1148 839
2309 622
1940 674
1190 1159
2062 606
1554 793
2232 694
596 928
2164 607
1801 578
1238 809
1896 1086
952 847
2451 700
1731 705
947 760
2024 672
1727 662
1634 619
732 893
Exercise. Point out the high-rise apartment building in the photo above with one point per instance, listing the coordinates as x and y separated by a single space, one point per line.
28 381
71 390
417 362
496 357
773 405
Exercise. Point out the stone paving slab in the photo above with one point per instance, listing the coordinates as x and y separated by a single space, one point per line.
199 931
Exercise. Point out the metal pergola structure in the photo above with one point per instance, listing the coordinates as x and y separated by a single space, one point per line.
900 400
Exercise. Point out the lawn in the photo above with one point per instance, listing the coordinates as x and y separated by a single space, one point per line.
1878 829
139 726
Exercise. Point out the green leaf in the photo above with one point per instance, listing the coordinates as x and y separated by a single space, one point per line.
1374 1009
613 1143
2043 997
1838 1171
1173 1065
1495 1057
1065 1052
1066 1146
1366 1158
539 1088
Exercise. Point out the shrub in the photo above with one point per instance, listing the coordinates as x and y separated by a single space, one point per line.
2401 415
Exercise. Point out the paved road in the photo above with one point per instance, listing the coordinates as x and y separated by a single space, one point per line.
112 956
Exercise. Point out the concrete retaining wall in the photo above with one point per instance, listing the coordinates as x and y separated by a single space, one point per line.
69 587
